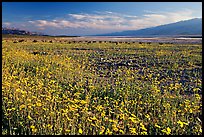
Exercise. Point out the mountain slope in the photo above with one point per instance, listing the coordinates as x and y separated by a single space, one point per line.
187 27
18 31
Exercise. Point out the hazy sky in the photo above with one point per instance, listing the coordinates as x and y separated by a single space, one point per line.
86 18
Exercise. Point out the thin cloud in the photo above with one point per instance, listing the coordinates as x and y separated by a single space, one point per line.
112 21
7 24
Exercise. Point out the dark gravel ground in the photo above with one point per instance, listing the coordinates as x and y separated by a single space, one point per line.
154 40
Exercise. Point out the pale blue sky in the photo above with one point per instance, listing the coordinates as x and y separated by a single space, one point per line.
85 18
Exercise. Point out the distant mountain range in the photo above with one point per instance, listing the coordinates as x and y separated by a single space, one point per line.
184 28
187 27
15 31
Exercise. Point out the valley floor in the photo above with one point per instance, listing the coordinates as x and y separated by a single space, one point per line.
74 86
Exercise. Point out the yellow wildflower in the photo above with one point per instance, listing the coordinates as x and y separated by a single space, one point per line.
182 123
67 130
102 130
157 126
115 128
132 119
39 104
93 124
197 96
89 119
22 106
29 117
32 126
108 132
143 127
80 131
121 131
167 131
94 118
34 130
133 130
147 116
133 115
144 133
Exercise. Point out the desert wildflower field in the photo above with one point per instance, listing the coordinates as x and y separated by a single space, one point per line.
60 87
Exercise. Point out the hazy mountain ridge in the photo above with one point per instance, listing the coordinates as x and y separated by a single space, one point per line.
187 27
16 31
